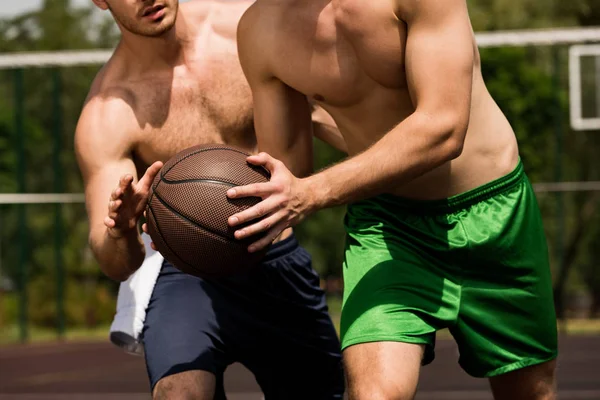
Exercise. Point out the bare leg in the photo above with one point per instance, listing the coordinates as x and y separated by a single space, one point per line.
196 385
383 370
530 383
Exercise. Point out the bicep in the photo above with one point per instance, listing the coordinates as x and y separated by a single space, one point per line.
439 57
102 161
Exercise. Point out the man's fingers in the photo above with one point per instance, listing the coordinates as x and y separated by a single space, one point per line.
268 239
113 215
109 222
263 159
145 227
153 246
149 175
261 226
117 193
125 183
114 205
253 190
265 207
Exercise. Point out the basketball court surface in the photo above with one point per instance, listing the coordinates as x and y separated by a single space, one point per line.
99 370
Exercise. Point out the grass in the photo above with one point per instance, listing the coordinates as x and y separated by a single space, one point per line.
10 334
580 326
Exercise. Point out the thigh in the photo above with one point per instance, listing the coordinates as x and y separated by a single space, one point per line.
181 332
536 382
383 370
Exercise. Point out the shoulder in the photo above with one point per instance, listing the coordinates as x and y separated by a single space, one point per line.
254 41
411 10
257 20
107 119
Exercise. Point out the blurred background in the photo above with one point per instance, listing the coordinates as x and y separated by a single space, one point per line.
51 288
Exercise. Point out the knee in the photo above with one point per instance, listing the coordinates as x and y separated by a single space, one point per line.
380 390
541 390
178 387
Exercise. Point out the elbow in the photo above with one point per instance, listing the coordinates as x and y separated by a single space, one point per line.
454 132
117 277
115 274
454 147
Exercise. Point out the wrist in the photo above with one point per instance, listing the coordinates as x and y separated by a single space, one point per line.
119 233
316 194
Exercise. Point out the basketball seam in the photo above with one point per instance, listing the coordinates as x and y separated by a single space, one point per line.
165 242
198 180
181 216
162 175
152 194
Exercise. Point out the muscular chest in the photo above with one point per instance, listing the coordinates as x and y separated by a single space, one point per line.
209 103
347 49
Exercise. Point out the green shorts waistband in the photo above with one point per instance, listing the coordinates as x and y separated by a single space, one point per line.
462 200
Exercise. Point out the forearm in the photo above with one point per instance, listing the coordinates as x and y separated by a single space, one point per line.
326 130
415 147
119 257
330 135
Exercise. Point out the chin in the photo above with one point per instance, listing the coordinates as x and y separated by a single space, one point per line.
157 30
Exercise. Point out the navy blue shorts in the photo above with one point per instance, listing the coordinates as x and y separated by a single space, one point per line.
274 320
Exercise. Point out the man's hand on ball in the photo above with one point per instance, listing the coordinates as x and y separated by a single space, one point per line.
285 202
128 201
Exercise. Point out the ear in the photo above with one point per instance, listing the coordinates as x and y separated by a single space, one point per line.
101 4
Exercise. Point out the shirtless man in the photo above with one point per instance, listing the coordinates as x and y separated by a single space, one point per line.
443 228
175 81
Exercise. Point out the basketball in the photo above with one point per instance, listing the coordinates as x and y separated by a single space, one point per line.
188 208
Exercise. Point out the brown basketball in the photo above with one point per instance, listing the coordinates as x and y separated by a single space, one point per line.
188 209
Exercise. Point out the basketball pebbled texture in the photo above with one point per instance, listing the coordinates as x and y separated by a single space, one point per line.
188 209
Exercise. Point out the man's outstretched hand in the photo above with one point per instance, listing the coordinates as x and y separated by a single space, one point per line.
128 201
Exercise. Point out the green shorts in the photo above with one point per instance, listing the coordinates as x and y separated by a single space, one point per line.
475 263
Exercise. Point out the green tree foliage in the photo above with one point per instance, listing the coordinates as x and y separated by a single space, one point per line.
57 26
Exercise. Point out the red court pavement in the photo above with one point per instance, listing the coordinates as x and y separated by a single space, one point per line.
101 371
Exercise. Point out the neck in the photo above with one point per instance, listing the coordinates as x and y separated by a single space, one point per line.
167 49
